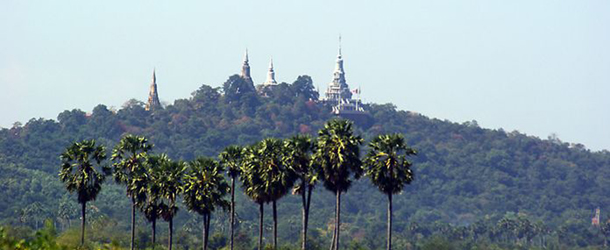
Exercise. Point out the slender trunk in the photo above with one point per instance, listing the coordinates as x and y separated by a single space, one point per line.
82 223
171 233
232 209
260 227
274 226
332 242
306 214
389 221
154 232
338 221
133 223
304 201
206 230
204 234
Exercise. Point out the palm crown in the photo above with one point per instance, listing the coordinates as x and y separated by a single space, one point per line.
298 157
151 207
231 157
78 170
130 156
205 186
338 154
170 186
386 163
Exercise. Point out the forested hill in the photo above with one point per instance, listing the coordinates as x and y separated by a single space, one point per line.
463 173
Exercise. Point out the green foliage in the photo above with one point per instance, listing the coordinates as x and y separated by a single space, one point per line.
205 186
130 156
231 158
297 156
338 153
466 175
251 176
151 207
170 181
386 163
78 169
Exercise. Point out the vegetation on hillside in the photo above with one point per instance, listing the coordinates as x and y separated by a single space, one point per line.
472 186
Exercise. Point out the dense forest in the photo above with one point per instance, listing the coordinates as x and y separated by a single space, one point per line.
473 188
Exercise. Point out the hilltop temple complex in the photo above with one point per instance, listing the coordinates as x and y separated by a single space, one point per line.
338 93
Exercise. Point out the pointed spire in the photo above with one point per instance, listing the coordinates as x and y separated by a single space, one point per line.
271 64
338 89
270 75
339 46
245 68
153 97
339 64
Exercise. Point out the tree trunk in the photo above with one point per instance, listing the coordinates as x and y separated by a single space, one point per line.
82 223
133 223
154 232
304 201
206 230
306 204
171 233
232 209
338 221
274 226
389 221
260 227
332 242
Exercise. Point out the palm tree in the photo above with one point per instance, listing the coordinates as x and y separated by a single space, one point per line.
298 157
231 158
277 177
338 153
253 184
129 157
151 207
204 189
79 173
170 185
388 168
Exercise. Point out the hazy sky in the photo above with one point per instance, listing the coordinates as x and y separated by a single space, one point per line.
539 67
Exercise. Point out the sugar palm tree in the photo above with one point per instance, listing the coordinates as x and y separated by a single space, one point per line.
338 153
231 158
277 177
170 185
82 172
151 207
298 156
204 189
253 184
129 157
387 166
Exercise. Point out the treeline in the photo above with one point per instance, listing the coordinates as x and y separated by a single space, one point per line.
268 170
464 173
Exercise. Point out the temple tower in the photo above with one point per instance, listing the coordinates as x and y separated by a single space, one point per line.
338 89
245 69
153 97
270 76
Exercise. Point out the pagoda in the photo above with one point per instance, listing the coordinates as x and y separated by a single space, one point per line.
153 102
339 95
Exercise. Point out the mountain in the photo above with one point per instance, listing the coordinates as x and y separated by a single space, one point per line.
464 174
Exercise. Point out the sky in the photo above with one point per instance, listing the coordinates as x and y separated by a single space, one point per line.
539 67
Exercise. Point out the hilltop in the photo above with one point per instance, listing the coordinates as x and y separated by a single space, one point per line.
463 173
